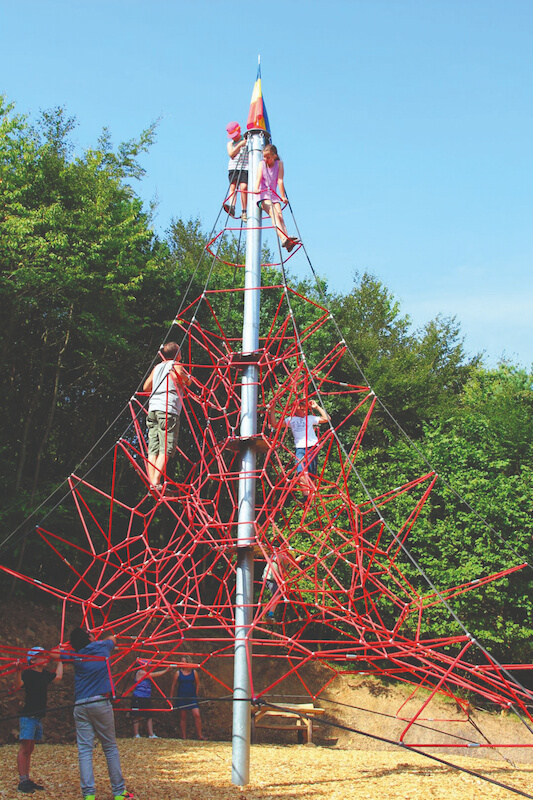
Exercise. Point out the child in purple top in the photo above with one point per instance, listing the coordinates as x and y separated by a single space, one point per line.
141 698
271 190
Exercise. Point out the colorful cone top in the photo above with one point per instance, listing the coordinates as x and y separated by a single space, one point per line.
258 117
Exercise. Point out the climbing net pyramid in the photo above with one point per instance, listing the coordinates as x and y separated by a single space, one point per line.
160 572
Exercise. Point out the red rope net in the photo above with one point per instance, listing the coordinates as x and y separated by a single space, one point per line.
333 581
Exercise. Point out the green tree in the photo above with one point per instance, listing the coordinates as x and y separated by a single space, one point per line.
477 521
417 376
80 270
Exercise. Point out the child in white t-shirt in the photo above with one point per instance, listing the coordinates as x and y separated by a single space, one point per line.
303 430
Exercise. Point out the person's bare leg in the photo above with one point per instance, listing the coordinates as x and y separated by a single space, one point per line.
151 468
183 723
150 726
197 722
306 484
311 484
270 209
24 756
302 484
279 222
160 465
244 196
230 202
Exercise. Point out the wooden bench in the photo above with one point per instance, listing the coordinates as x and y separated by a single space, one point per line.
287 717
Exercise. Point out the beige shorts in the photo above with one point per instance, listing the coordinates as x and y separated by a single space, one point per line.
163 432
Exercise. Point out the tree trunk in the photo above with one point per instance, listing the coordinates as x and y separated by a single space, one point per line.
35 396
53 404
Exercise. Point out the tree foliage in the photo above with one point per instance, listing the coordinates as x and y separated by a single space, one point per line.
416 375
76 256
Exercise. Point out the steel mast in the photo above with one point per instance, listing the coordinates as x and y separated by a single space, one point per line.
240 773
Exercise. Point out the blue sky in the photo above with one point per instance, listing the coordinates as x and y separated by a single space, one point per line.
405 126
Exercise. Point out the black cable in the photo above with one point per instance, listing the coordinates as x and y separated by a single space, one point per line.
118 699
392 716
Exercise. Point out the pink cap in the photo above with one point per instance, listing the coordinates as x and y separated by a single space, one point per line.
232 129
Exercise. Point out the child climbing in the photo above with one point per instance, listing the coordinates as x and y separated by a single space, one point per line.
281 561
303 427
237 170
270 187
166 384
141 698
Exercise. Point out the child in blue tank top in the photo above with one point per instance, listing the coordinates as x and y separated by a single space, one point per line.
184 693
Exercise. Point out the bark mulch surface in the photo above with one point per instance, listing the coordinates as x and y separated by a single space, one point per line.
165 769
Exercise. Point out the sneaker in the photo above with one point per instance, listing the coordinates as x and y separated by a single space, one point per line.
229 209
153 736
137 736
124 796
270 615
90 797
36 786
244 216
26 787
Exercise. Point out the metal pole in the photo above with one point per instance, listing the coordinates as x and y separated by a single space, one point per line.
240 772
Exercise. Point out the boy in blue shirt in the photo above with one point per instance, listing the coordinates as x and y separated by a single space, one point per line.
93 712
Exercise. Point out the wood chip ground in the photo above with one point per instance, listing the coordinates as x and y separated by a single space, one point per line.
172 769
